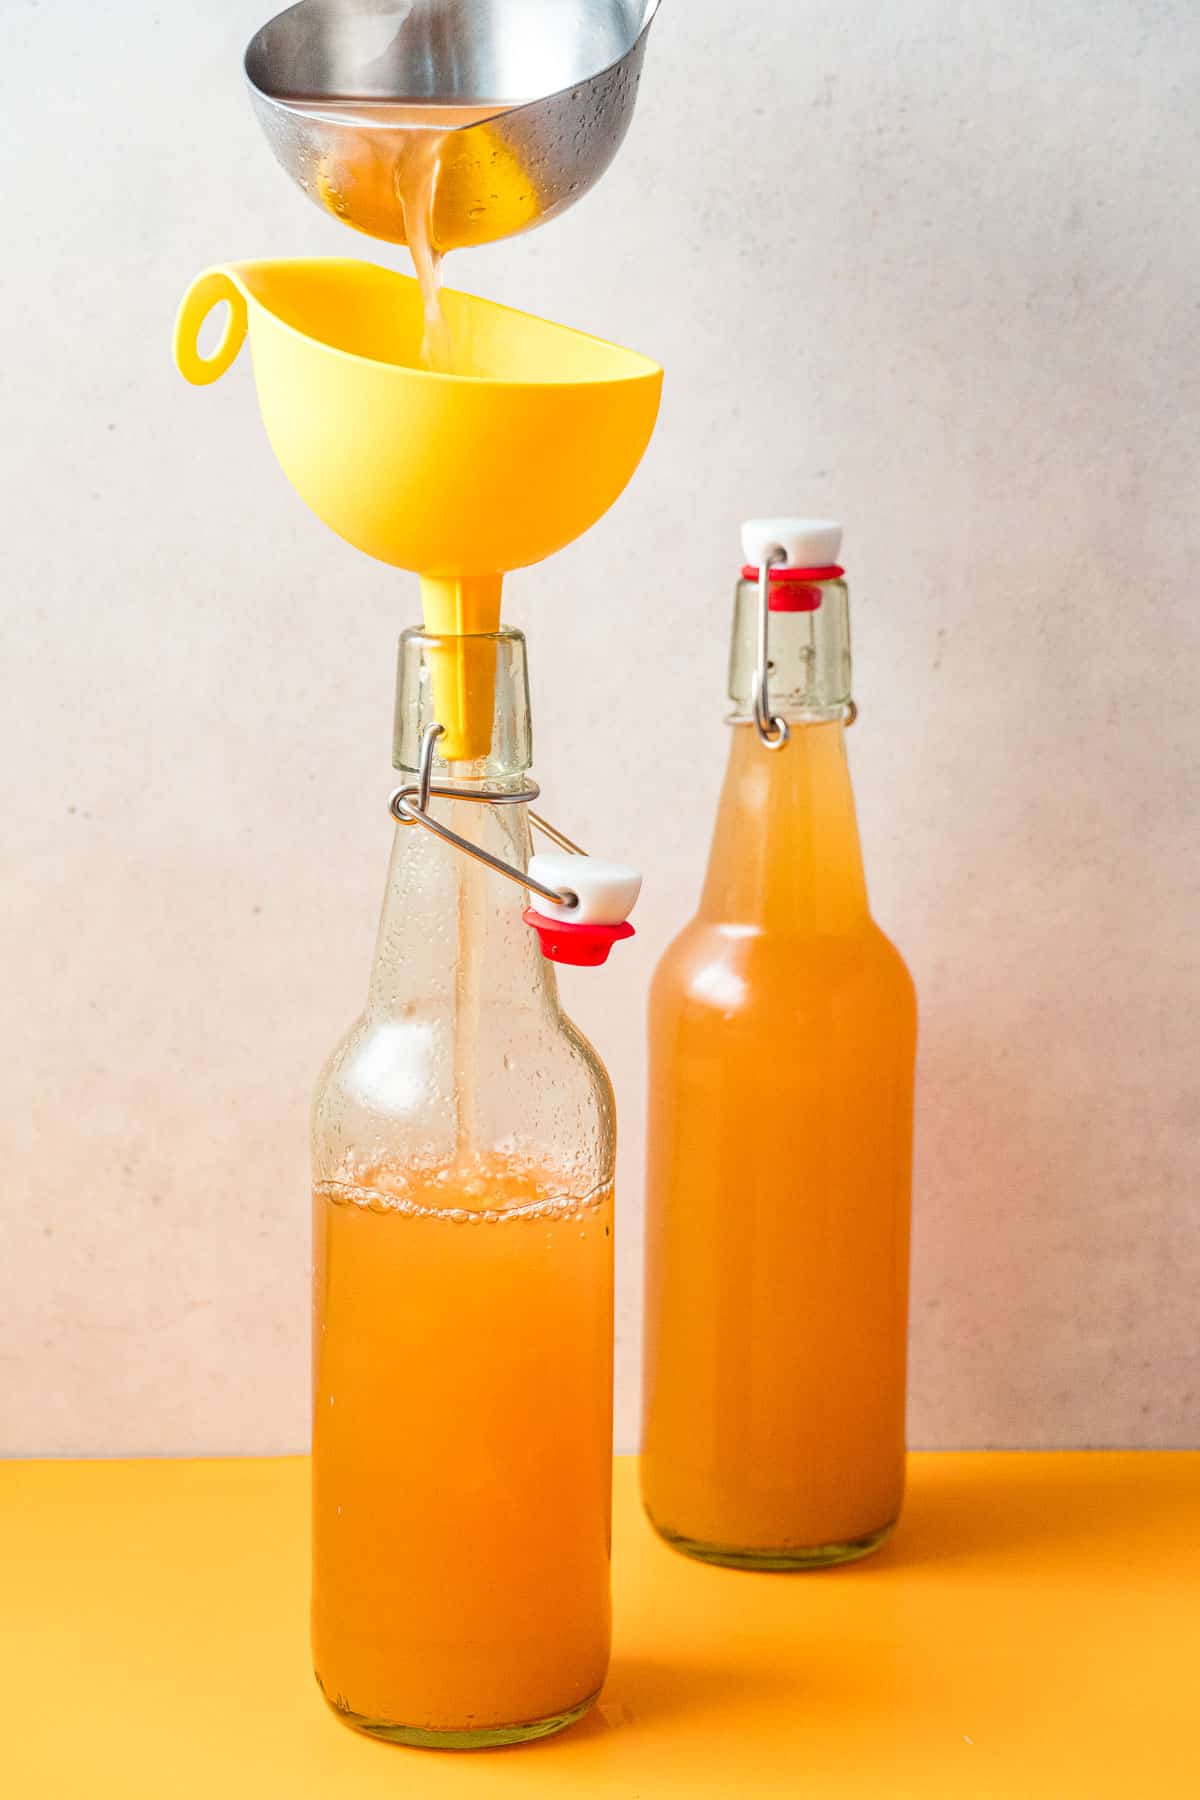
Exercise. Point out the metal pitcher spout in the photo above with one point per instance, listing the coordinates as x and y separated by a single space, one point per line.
529 102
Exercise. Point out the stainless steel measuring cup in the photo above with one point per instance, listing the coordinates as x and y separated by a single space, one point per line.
534 98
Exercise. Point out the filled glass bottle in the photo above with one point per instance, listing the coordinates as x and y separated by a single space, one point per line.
463 1145
782 1040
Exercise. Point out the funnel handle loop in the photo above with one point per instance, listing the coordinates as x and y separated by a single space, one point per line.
207 291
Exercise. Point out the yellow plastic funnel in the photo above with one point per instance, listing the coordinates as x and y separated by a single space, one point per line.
458 478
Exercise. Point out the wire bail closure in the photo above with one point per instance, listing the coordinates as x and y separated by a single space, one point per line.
773 732
409 805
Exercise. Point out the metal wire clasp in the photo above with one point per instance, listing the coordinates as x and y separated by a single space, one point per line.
773 732
410 806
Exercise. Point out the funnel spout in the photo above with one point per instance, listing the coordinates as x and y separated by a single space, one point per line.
461 605
464 613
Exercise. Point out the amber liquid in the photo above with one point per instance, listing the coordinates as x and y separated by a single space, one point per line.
782 1039
462 1442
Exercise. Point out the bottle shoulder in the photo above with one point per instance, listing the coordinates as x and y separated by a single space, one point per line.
890 954
730 968
395 1076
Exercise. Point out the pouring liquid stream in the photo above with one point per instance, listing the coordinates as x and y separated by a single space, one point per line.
416 187
427 130
406 142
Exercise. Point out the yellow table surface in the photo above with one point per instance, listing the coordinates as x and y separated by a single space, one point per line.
1033 1629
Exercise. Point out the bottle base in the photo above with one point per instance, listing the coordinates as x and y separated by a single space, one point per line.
486 1737
803 1556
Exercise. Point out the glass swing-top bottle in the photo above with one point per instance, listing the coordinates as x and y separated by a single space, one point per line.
463 1148
782 1046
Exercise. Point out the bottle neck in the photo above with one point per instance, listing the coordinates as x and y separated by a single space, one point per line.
786 855
451 927
808 648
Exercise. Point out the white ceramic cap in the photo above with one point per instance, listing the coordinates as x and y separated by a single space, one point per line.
607 891
809 543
